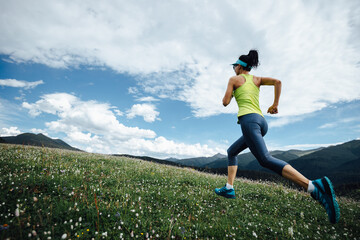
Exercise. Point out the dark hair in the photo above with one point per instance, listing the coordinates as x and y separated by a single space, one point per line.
252 59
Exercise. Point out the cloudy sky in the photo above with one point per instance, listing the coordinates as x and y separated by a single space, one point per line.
148 77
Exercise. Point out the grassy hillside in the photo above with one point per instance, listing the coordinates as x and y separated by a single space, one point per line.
55 193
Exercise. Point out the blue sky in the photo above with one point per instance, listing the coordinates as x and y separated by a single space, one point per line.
148 78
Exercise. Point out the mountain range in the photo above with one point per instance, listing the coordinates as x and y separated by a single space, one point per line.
246 160
341 162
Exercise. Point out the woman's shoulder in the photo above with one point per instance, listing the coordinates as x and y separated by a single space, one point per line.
237 78
257 80
237 81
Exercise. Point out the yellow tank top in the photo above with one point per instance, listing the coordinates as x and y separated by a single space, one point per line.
247 97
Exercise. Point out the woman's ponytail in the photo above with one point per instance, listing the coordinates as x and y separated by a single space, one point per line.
252 59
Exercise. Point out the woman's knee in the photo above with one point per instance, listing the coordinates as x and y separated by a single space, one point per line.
232 161
231 152
265 161
274 164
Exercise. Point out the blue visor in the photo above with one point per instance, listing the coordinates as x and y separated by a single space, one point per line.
239 62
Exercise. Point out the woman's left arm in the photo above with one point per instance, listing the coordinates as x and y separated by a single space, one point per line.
228 93
273 109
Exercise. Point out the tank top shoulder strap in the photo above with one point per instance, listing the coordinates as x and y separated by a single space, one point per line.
249 78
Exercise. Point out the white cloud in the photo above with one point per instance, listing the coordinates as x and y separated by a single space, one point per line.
306 146
282 121
182 50
147 99
162 148
11 131
93 126
78 116
147 111
327 125
118 112
78 136
345 121
19 83
36 131
133 90
58 103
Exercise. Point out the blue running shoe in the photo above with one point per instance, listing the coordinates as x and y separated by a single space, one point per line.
224 192
324 193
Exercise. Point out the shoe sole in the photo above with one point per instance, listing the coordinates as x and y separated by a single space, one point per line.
231 197
334 204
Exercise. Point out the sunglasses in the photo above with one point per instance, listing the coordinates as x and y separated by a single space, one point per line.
234 66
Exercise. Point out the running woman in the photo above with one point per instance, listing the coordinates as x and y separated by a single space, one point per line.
245 88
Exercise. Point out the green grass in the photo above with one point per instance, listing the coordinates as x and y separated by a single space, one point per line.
96 196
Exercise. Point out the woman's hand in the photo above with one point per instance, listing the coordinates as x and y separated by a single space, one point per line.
277 84
273 109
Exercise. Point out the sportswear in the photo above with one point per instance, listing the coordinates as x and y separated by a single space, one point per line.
224 192
325 195
247 97
239 62
254 127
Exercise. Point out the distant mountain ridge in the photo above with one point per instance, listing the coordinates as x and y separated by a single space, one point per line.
340 162
199 161
245 160
37 140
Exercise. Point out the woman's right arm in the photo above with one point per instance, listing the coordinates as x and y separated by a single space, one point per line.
273 109
228 93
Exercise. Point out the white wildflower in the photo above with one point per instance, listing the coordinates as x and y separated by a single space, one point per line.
17 212
64 236
291 231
